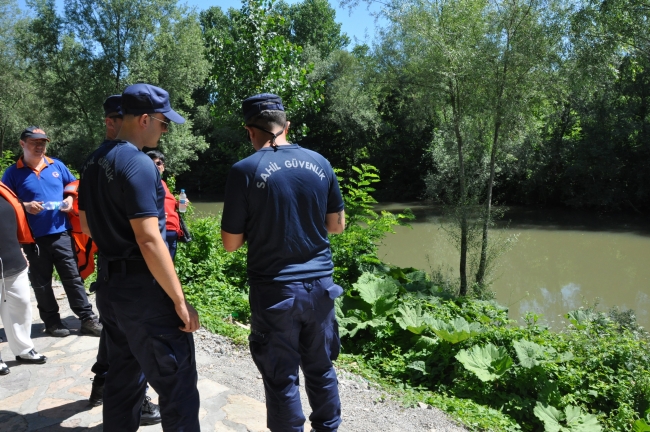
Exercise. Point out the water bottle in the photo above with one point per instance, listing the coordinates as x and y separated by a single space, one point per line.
55 205
182 202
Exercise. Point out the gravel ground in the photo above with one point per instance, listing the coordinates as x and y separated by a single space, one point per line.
365 407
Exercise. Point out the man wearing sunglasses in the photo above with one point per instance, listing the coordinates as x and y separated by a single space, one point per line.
148 324
150 412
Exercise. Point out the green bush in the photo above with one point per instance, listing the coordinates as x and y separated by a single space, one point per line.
593 374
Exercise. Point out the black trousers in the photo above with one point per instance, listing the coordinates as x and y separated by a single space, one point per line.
56 251
144 343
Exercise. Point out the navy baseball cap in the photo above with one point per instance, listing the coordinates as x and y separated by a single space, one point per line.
261 102
139 99
113 104
33 132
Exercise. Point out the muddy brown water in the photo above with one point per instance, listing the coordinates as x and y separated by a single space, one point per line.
561 260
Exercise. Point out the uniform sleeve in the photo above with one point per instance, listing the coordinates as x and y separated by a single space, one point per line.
334 200
235 203
140 185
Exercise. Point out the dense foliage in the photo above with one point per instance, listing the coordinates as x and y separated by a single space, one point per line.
460 354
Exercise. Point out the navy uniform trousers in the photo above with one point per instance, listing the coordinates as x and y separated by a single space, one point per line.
143 339
293 324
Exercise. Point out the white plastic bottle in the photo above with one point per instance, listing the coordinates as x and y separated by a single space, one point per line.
182 202
52 205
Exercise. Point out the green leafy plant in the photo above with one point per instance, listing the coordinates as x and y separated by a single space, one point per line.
455 331
487 362
571 420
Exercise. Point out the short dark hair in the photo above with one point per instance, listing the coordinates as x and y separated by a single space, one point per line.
268 119
155 154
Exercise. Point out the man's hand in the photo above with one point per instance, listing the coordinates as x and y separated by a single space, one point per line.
189 316
68 208
33 207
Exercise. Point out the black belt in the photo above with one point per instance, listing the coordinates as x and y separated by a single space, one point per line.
130 267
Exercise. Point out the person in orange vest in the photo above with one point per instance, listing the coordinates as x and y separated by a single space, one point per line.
15 304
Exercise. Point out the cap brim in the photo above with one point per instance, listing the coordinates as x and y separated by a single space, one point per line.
38 136
174 116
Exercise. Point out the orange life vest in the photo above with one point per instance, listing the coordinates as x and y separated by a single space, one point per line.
25 235
85 248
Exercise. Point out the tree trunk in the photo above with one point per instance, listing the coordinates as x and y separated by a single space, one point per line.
482 267
462 202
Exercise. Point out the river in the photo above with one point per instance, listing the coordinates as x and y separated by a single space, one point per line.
560 261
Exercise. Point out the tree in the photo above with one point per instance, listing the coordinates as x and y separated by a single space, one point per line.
107 45
250 55
519 47
17 94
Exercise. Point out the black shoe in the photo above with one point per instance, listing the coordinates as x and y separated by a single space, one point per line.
4 369
31 357
91 326
58 330
150 413
97 392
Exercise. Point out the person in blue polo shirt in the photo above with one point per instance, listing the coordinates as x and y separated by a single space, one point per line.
37 179
284 200
148 324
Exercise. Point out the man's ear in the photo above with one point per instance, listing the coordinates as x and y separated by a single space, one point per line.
286 127
143 121
22 144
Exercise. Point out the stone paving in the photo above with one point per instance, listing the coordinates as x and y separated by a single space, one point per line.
54 396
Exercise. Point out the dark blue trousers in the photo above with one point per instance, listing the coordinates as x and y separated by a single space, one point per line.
293 324
144 343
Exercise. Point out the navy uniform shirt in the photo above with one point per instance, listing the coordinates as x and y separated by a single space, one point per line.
278 200
120 183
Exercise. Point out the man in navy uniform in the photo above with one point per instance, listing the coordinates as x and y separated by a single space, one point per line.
284 200
148 324
150 411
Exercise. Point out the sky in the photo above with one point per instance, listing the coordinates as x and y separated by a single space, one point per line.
357 23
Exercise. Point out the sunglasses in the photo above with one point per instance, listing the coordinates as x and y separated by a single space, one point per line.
166 123
160 163
116 116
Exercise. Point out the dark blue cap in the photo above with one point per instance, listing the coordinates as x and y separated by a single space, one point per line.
139 99
33 132
261 102
113 104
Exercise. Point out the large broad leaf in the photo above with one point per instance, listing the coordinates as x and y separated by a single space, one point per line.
488 363
575 419
529 353
384 306
371 288
411 319
456 331
550 416
580 318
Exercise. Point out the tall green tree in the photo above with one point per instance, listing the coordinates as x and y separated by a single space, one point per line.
97 48
249 55
17 97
